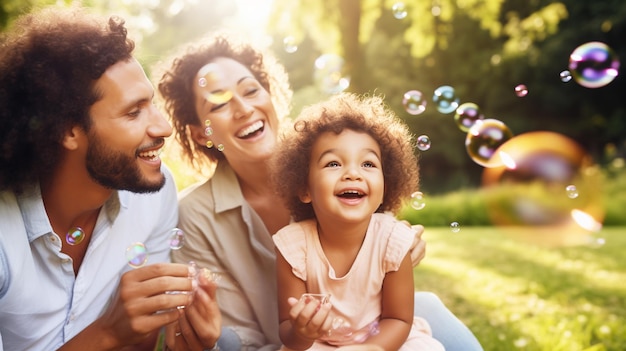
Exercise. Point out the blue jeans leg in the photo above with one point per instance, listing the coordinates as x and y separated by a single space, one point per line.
229 340
447 328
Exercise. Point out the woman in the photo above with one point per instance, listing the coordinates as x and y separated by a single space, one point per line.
226 100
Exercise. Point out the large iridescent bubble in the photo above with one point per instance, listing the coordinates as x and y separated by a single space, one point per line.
593 64
529 194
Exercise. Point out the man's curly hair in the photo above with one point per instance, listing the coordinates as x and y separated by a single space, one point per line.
290 163
177 78
49 62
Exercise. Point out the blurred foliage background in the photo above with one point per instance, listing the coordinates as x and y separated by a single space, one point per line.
482 48
513 295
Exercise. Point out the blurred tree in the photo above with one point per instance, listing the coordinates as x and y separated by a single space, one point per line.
483 48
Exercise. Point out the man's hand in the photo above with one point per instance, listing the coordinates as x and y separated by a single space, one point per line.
142 305
200 323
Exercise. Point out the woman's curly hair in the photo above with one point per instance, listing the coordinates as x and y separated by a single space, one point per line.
49 63
178 76
290 163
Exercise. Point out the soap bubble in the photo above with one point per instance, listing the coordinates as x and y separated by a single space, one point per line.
455 227
466 115
565 76
445 99
399 10
329 74
483 138
75 236
527 190
417 200
206 77
572 191
423 142
414 102
521 90
290 44
177 239
593 64
136 254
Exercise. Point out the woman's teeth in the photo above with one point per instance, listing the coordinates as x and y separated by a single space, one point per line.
251 129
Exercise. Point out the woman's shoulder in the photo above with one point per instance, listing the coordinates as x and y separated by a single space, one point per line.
196 195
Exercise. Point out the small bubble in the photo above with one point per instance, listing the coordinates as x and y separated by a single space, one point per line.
399 10
521 90
136 254
423 142
414 102
565 76
445 99
75 236
417 200
466 115
290 44
571 191
455 227
177 239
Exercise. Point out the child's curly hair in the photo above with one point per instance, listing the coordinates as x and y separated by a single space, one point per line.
290 163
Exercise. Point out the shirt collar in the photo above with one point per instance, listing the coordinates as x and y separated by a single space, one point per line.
35 216
225 186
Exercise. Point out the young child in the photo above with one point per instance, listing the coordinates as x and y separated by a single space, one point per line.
344 164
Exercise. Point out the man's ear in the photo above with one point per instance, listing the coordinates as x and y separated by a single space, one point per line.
305 197
72 138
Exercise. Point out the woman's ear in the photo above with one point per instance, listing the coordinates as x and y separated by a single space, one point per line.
198 135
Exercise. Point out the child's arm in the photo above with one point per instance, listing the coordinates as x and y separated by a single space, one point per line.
300 322
397 307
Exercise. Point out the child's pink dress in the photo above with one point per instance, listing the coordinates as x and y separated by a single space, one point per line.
357 296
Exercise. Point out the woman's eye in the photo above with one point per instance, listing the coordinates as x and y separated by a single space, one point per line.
217 107
252 91
135 112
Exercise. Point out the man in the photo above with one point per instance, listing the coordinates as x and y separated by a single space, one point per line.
81 182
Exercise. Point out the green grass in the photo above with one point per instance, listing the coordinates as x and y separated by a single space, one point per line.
516 295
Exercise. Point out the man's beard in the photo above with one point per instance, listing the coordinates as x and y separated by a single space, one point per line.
116 170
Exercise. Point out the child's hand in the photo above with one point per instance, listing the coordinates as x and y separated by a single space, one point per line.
310 318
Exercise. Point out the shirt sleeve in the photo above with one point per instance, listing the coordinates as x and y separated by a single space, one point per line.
291 242
400 240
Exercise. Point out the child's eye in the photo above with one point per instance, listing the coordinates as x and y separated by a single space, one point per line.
333 164
369 164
